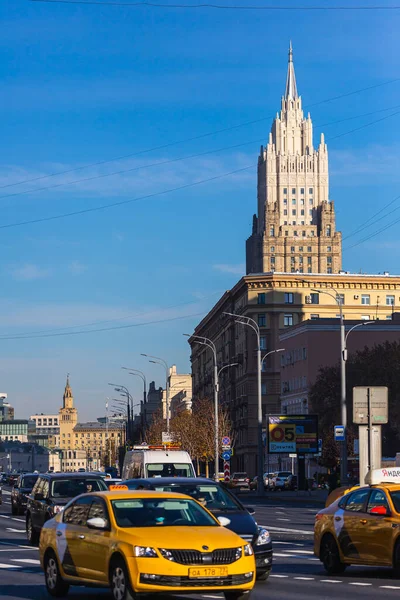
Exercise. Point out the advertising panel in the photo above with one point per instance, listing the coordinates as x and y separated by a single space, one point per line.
293 433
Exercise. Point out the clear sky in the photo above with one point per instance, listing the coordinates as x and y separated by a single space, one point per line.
85 84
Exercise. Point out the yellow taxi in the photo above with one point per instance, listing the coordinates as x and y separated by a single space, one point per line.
363 526
144 542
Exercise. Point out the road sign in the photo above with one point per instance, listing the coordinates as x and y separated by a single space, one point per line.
292 455
292 434
227 470
166 437
378 402
226 440
226 455
339 433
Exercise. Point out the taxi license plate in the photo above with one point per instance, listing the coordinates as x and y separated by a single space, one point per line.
208 572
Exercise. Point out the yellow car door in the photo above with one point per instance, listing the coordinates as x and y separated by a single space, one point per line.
377 529
96 541
353 521
70 534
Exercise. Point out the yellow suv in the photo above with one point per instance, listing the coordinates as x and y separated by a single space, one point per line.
144 542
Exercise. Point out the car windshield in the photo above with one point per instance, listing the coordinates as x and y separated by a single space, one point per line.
69 488
395 496
28 481
160 512
169 470
284 474
213 497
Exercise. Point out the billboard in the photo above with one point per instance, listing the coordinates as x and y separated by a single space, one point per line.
292 433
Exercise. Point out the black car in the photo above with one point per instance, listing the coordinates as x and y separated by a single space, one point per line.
19 493
217 499
51 492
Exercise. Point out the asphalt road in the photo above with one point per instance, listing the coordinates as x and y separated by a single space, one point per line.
296 572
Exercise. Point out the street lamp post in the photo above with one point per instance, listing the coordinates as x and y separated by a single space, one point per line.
160 361
125 392
142 376
210 344
249 322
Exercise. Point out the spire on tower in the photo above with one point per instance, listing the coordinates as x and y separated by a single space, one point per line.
291 88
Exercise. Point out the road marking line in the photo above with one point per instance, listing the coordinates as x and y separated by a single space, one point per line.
15 530
301 551
7 566
282 529
330 581
283 555
360 583
30 561
15 519
283 519
287 543
305 578
13 549
388 587
280 576
5 517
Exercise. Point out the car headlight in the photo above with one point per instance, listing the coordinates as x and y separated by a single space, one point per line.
248 550
263 537
144 551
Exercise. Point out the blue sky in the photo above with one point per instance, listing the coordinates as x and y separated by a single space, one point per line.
85 84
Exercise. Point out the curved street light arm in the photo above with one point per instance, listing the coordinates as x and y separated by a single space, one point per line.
271 352
358 325
157 358
227 367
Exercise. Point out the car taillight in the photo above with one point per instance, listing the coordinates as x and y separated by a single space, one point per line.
235 480
247 480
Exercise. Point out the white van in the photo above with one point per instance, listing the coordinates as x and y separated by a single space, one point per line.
157 461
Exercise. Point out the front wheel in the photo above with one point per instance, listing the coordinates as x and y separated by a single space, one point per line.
240 595
119 581
262 576
31 534
55 584
14 509
330 556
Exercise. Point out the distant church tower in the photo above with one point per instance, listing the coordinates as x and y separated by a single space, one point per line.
68 418
294 229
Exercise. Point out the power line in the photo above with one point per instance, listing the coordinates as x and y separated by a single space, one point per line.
216 6
197 155
194 138
135 315
116 327
374 234
365 224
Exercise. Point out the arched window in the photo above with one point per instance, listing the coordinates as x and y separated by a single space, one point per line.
328 230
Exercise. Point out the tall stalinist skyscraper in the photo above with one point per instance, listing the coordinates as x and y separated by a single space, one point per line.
294 230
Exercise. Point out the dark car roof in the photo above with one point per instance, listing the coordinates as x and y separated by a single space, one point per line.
71 475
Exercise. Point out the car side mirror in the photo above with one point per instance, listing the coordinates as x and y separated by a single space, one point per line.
250 510
97 523
379 510
224 521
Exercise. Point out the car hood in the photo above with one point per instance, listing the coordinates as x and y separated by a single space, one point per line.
241 522
182 537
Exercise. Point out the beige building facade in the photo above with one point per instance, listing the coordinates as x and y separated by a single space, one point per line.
68 418
180 393
276 301
295 228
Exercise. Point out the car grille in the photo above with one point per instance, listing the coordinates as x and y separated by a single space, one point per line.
164 580
223 556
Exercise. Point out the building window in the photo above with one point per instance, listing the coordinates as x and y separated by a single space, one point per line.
286 233
314 298
365 318
293 200
285 201
272 248
302 201
273 260
328 231
263 342
310 201
285 190
329 248
285 212
294 233
310 212
294 212
292 249
329 270
329 260
272 230
309 270
262 320
300 260
302 211
301 190
365 299
388 317
313 317
289 297
310 190
309 260
285 223
288 320
263 388
261 298
389 300
303 233
293 190
292 260
312 232
300 248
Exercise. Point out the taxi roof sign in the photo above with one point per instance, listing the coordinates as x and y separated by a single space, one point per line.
391 475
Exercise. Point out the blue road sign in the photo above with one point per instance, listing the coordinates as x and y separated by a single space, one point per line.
226 455
339 433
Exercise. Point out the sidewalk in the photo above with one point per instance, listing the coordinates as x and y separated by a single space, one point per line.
314 497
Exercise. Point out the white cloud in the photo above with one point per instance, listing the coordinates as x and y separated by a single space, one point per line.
77 268
238 269
30 272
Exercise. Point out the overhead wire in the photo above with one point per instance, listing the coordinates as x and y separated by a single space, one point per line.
194 138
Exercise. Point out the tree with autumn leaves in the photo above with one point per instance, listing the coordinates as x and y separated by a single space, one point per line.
194 430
